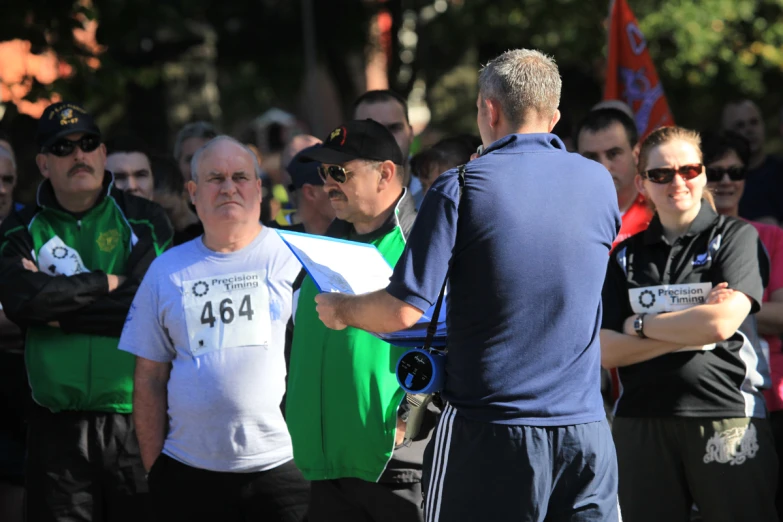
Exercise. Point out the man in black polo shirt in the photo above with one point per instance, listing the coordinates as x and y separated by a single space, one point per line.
525 244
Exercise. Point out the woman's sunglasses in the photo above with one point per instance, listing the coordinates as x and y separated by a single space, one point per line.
665 175
63 147
336 172
735 173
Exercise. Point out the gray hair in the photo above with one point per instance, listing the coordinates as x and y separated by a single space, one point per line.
522 80
197 129
216 141
7 154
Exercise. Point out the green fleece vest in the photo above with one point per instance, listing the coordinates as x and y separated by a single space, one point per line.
78 371
343 395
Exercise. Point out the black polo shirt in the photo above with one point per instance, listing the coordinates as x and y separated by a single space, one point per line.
646 274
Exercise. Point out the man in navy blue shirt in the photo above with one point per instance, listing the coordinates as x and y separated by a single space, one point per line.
523 435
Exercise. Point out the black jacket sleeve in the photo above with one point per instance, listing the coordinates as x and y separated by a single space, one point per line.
614 296
106 316
33 298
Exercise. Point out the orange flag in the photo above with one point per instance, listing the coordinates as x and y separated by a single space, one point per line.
630 73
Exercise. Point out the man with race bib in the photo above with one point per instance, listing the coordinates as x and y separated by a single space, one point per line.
207 327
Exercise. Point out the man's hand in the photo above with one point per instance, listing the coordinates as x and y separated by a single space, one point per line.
115 281
29 265
327 306
399 437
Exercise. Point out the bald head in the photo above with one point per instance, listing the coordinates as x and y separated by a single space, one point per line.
744 117
224 145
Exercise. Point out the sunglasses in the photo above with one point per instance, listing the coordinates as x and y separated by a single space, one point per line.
735 173
665 175
63 147
336 172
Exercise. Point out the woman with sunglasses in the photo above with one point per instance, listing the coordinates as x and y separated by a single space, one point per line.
726 157
690 422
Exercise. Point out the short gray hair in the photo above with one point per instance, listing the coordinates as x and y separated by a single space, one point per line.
197 129
522 80
9 155
216 141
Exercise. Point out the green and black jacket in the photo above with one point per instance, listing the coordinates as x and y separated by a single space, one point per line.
343 397
76 365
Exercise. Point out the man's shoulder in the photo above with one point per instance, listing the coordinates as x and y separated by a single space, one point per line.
18 220
136 207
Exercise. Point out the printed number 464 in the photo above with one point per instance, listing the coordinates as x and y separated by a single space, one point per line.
226 311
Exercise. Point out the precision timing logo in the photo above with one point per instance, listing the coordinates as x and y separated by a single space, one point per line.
200 289
647 303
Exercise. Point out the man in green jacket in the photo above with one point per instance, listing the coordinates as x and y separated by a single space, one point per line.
343 402
69 268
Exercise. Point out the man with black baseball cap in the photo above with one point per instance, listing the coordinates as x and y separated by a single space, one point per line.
343 400
70 265
313 207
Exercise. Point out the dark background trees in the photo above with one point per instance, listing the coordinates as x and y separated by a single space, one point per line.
166 62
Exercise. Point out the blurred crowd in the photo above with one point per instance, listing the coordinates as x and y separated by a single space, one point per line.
76 428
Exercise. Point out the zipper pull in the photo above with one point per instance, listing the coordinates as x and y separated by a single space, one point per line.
79 224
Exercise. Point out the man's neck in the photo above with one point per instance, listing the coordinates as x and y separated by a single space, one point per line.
183 218
625 201
373 224
757 160
225 240
316 224
79 202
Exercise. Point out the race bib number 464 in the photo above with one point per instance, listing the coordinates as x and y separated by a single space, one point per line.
227 311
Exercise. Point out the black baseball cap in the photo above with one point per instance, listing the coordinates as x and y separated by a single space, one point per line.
61 119
357 139
304 172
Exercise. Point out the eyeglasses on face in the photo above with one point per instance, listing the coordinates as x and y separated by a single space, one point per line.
336 172
64 147
665 175
736 173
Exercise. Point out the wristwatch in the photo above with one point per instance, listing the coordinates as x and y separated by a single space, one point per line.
638 326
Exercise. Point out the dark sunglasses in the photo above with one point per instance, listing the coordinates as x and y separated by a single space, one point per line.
735 173
665 175
63 147
336 172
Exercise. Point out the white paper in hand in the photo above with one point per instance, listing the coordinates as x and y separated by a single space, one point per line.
57 258
337 265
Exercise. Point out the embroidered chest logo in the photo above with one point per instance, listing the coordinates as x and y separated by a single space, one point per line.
108 240
712 249
733 446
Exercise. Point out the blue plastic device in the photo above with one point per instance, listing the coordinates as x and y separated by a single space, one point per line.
421 371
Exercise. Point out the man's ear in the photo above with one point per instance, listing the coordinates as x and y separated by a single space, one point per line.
494 110
555 119
40 160
191 186
636 149
309 191
388 173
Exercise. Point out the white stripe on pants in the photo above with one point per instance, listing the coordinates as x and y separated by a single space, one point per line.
440 460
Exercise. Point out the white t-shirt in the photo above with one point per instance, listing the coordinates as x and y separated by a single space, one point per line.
220 320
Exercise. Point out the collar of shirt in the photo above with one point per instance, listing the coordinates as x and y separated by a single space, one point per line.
704 220
516 143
